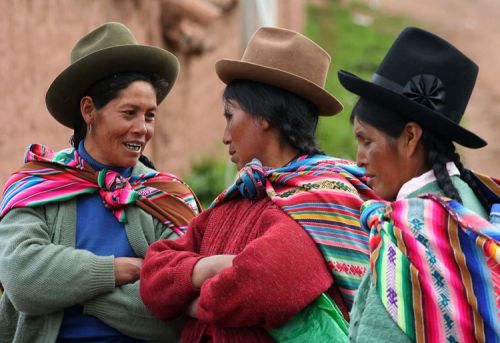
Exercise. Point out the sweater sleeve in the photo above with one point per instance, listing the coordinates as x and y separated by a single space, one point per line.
273 278
123 310
124 306
41 277
166 286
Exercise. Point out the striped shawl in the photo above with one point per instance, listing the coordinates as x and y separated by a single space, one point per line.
323 195
50 177
435 268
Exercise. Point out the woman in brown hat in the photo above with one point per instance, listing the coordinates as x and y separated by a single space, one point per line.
434 273
75 224
288 228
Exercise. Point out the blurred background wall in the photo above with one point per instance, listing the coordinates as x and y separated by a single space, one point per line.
36 38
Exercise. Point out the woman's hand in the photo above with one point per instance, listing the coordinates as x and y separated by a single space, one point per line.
127 270
210 266
191 310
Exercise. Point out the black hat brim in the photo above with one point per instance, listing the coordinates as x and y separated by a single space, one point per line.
428 118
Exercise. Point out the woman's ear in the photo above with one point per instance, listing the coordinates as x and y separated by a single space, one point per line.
412 137
263 123
87 109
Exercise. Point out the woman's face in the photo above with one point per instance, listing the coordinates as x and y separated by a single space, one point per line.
121 129
389 162
244 134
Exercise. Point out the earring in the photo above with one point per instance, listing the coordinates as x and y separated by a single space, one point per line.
89 128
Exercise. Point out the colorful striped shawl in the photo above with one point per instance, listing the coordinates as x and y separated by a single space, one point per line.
323 195
434 264
51 177
490 186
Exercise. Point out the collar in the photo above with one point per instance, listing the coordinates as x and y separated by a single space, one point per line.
424 179
97 166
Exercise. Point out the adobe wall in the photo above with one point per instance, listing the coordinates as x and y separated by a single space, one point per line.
36 38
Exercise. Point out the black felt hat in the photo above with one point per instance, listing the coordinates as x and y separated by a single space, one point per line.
427 80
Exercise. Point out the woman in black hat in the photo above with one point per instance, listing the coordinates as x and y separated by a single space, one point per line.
76 224
431 273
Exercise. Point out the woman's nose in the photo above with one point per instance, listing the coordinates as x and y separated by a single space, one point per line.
226 137
360 158
140 126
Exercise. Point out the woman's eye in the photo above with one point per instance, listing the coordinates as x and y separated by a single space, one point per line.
151 116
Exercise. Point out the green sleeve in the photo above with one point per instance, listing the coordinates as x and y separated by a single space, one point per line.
124 310
41 277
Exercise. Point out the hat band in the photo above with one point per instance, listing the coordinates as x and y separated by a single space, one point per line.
426 89
386 83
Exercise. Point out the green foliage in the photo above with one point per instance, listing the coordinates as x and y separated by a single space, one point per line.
209 178
354 47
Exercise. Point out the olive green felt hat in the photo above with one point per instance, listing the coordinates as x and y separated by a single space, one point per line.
109 49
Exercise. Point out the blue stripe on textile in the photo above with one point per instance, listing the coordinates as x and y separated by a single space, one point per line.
322 205
476 263
342 239
18 186
339 230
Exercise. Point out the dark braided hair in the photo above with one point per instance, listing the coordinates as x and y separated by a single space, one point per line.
294 117
437 153
107 89
438 150
466 175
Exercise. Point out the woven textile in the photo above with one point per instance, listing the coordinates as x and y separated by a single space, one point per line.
50 177
435 265
323 195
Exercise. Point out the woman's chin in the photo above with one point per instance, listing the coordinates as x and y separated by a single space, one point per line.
238 164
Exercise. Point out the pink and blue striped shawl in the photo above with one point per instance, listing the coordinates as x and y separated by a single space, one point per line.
324 196
435 265
51 177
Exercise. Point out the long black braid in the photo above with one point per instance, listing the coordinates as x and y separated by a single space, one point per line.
437 154
466 176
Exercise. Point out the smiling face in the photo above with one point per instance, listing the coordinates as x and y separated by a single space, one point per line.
245 135
121 129
389 162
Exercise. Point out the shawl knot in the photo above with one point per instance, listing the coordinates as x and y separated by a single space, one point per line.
251 181
116 190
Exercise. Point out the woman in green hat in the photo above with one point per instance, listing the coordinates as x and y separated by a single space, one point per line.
75 224
434 273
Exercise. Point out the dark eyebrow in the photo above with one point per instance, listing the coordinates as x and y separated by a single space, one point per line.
135 107
359 133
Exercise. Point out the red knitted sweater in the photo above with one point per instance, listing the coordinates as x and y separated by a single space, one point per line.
277 272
